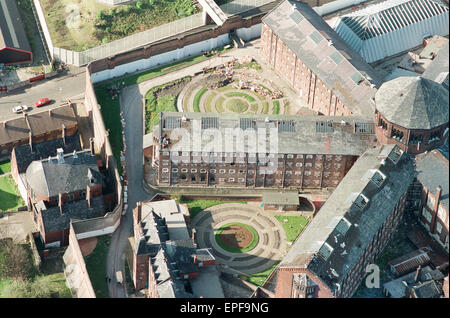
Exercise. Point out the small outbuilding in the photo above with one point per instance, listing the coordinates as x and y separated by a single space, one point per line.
283 201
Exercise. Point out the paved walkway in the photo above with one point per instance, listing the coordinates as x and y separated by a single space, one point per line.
271 246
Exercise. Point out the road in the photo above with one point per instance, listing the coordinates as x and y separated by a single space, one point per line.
58 89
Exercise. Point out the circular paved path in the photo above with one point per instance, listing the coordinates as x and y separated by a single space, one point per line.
271 246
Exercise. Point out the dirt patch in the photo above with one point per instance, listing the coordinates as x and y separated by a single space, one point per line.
172 89
236 236
88 245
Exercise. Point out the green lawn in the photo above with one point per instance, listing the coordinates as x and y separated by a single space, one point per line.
249 247
10 198
276 107
196 206
153 105
96 266
294 225
239 94
265 109
197 98
5 167
236 106
259 278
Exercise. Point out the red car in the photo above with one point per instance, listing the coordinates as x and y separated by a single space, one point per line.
42 102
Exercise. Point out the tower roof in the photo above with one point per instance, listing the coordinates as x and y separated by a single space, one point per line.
413 102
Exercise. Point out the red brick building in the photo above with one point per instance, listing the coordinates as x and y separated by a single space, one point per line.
412 112
307 152
329 76
432 201
38 127
329 258
163 256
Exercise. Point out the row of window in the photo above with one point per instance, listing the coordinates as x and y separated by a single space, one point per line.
251 155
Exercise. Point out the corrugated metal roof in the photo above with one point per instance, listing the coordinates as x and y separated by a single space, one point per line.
393 26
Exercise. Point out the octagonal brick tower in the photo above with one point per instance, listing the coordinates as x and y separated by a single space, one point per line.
412 112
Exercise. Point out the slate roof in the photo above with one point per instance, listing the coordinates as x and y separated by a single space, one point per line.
53 220
439 68
413 102
339 234
299 134
308 36
43 150
428 289
433 171
12 32
49 178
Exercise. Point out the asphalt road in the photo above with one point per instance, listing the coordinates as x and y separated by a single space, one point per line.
132 107
58 89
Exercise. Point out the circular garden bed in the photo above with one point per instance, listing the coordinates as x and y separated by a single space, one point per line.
237 237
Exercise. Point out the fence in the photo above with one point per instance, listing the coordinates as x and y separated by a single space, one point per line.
138 39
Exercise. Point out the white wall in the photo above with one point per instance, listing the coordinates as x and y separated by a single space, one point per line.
104 231
250 33
164 58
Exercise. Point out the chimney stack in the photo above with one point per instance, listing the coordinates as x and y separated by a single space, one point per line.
30 141
88 196
418 272
138 212
60 155
63 133
194 235
60 203
49 113
91 145
4 124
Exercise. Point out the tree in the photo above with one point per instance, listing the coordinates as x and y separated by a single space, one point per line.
101 15
139 5
108 30
15 261
152 2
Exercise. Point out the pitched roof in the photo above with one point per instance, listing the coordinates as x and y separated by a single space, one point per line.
342 70
43 150
349 219
296 134
439 68
12 33
413 102
433 169
389 27
53 220
50 177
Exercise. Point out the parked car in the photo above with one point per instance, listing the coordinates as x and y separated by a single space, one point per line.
20 108
42 102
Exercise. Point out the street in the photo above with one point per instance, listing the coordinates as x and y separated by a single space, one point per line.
58 89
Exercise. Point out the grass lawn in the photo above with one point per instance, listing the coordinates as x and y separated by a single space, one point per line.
81 24
10 198
96 266
294 225
5 166
197 98
276 107
196 206
249 247
259 278
265 109
236 106
153 105
239 94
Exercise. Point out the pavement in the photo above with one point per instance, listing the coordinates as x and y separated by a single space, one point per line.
58 89
16 225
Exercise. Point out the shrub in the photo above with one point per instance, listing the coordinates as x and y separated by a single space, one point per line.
127 8
101 15
108 30
105 40
152 2
139 5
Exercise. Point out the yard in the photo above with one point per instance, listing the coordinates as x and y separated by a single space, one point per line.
82 24
196 206
96 266
10 198
5 167
30 284
259 278
292 225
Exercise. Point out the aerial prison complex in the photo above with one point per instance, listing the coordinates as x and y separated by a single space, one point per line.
368 151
